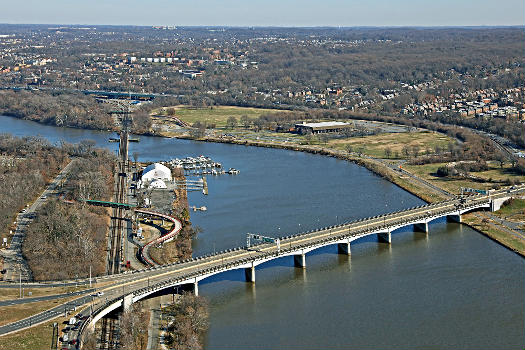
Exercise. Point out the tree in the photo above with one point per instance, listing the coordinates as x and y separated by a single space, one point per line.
231 122
245 121
388 152
349 148
443 171
415 150
406 150
171 111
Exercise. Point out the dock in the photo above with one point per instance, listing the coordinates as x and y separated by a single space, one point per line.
204 186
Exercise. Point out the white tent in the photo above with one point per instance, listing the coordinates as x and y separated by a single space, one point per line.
156 171
157 183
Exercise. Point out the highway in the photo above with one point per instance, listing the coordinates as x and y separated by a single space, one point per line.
43 298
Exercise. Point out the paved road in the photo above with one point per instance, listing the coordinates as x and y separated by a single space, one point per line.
45 315
153 330
14 262
43 298
159 277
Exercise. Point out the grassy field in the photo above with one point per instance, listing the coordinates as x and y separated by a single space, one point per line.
375 145
13 313
452 184
214 115
35 338
492 230
515 211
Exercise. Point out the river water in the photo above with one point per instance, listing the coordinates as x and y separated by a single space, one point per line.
453 288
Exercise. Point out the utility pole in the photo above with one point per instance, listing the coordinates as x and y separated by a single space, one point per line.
20 271
89 276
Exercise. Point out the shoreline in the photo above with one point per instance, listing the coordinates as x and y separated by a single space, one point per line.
378 169
371 165
387 174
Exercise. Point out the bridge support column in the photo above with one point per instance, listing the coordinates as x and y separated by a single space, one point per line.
422 227
249 273
126 303
299 260
454 218
343 248
385 237
196 288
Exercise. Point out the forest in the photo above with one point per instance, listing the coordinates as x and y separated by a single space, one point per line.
66 237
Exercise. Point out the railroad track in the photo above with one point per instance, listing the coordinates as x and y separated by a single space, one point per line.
115 239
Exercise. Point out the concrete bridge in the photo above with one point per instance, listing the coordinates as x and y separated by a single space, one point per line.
141 284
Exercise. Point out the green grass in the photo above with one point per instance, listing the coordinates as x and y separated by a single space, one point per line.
453 184
35 338
375 145
491 229
515 211
215 115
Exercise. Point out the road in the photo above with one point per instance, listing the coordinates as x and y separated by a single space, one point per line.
45 316
14 262
43 298
141 281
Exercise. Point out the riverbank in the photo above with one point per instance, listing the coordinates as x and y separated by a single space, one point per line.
417 188
180 247
369 163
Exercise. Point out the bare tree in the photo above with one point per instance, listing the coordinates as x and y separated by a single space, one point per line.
231 122
388 152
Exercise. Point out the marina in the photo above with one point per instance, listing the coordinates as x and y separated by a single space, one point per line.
459 285
201 165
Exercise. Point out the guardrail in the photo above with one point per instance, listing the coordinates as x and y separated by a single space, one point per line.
177 226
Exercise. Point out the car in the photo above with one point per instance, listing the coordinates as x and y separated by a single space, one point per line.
43 197
99 294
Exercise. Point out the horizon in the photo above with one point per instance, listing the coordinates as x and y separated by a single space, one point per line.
270 26
271 13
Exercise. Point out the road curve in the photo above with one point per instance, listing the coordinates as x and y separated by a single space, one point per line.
144 251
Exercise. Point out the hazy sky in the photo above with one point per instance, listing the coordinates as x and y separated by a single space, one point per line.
267 12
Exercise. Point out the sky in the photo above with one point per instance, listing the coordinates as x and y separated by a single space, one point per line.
287 13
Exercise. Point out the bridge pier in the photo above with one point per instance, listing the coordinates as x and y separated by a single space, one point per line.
196 288
300 260
422 227
343 248
454 218
249 273
385 237
127 301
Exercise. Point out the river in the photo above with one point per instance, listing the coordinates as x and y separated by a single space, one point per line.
453 288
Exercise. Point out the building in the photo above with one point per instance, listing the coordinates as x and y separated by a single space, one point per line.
156 171
158 184
154 176
322 127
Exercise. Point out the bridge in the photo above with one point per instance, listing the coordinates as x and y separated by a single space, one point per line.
137 285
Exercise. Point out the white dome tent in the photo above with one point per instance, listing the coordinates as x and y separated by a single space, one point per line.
155 176
156 171
158 183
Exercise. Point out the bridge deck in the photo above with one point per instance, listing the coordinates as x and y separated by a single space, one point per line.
142 283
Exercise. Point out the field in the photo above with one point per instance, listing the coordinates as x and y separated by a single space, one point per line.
214 115
375 145
14 313
491 229
35 338
495 175
515 211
